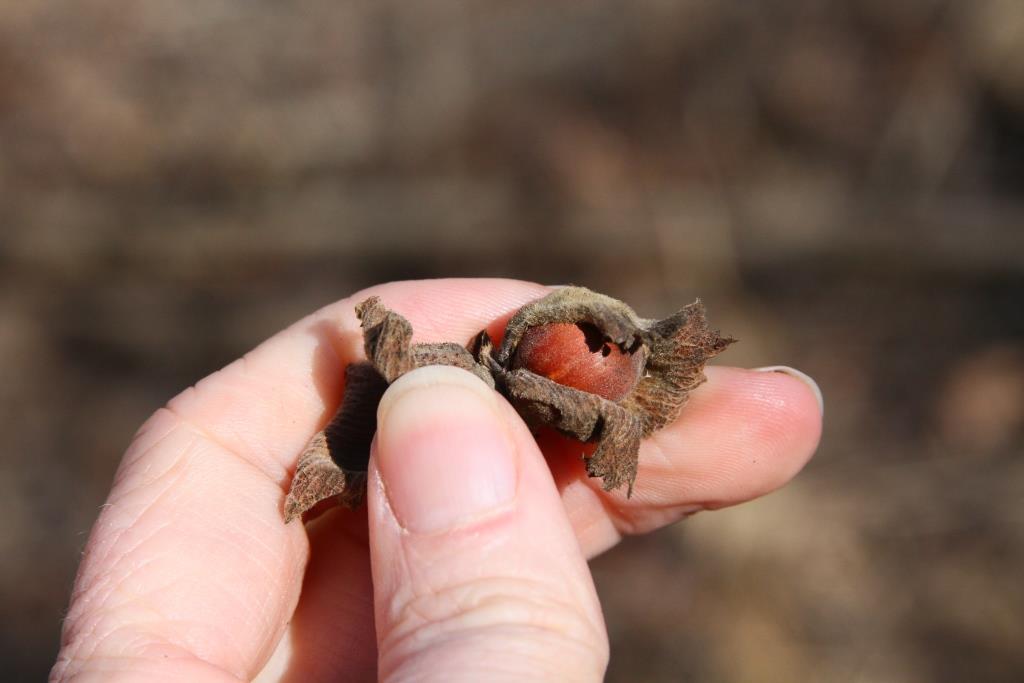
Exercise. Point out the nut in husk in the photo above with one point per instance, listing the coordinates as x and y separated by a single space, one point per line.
580 362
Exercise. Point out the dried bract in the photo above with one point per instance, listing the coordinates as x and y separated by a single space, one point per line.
580 362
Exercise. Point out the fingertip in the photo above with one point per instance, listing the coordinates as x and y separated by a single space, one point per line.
741 435
443 452
797 410
770 424
779 398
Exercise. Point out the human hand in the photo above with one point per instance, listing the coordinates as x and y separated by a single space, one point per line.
469 559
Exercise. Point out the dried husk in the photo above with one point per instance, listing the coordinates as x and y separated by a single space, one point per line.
674 349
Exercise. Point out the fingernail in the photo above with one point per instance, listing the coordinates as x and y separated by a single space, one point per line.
443 451
802 376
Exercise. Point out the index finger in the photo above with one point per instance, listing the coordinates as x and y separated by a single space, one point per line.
190 573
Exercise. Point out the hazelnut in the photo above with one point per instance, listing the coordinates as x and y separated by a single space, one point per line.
578 356
577 361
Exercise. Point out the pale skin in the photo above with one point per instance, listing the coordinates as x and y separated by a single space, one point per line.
191 574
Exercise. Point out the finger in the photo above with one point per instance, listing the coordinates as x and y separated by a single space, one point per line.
742 434
330 636
268 404
186 568
189 565
476 572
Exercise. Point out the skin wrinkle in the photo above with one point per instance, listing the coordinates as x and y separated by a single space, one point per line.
471 609
147 638
154 632
232 536
83 601
134 568
245 606
527 642
260 610
179 469
474 655
88 593
230 383
258 538
280 478
460 600
277 474
136 450
85 595
96 650
98 618
162 652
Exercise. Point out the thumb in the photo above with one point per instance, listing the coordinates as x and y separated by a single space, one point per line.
477 573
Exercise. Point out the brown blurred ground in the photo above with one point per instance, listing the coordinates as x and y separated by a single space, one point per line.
843 183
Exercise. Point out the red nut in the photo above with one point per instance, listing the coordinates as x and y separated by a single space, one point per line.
576 355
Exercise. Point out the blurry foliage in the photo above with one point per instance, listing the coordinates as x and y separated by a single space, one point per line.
842 182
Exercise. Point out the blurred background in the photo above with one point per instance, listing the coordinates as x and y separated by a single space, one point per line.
842 182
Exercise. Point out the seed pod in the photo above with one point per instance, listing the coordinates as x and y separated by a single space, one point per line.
580 362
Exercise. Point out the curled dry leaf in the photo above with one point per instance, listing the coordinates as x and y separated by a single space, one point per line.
575 360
